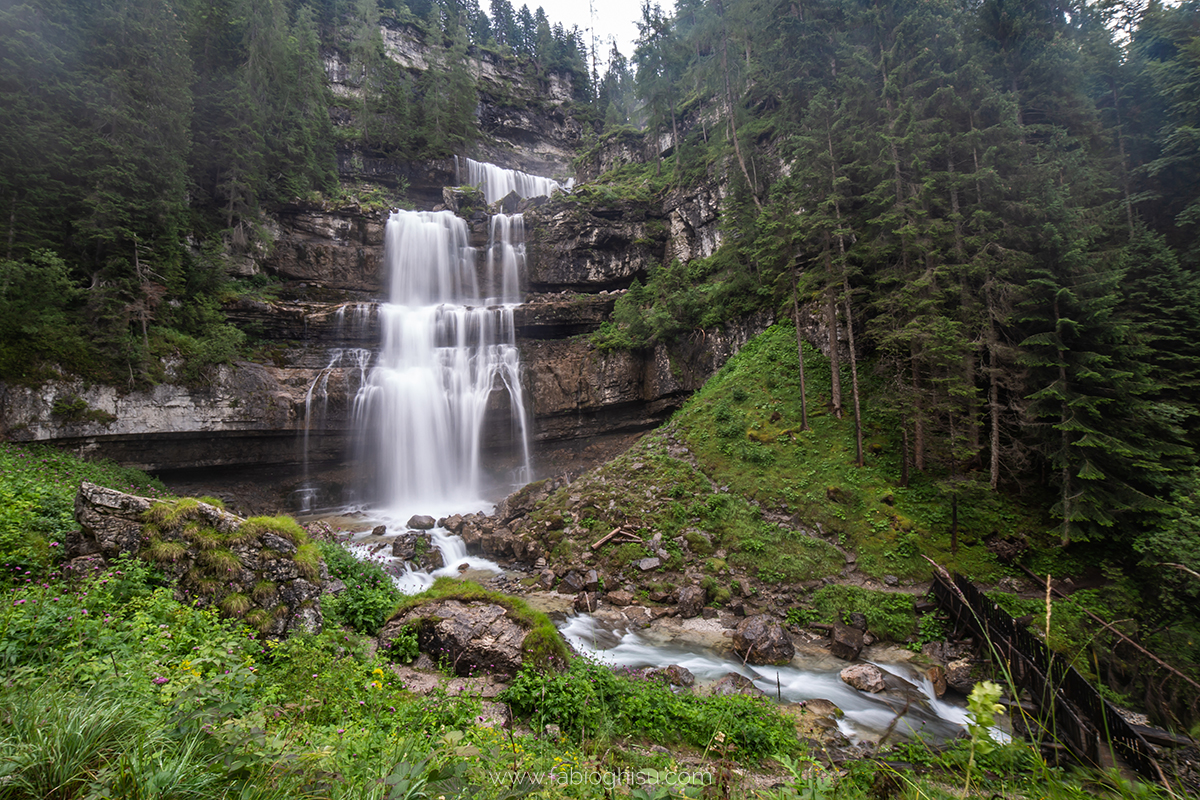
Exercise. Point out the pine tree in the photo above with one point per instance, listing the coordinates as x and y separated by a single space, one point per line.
1108 448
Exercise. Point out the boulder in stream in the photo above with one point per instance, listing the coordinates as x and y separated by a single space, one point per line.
961 675
733 683
760 639
864 677
421 522
587 602
845 642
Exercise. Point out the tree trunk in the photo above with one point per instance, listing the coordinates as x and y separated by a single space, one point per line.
12 224
858 436
954 523
835 359
1124 162
678 145
955 211
800 353
918 420
993 402
737 147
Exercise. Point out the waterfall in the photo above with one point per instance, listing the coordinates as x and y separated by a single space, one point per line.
423 410
350 362
497 182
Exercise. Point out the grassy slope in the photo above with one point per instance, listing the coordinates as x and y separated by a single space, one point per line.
760 502
744 426
37 499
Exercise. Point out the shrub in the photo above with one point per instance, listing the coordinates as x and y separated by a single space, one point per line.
889 614
588 700
369 598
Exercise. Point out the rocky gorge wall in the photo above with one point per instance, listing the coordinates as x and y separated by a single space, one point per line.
256 413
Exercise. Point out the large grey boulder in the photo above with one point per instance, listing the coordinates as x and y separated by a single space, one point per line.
734 683
760 639
465 637
864 677
272 579
421 522
845 642
690 602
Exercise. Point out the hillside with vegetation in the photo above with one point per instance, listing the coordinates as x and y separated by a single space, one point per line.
114 687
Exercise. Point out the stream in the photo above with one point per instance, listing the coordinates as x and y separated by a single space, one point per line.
698 647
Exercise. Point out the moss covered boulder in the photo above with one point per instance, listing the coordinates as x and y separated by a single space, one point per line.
263 569
470 630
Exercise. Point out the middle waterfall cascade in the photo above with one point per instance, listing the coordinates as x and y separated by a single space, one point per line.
445 348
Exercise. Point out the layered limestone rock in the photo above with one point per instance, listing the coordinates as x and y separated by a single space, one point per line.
589 247
579 391
338 250
522 110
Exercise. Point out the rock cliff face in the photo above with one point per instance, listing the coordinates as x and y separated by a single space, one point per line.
579 261
295 405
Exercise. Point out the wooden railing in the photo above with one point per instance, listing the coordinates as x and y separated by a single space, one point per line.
1068 704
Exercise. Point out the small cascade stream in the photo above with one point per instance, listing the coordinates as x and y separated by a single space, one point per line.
806 678
809 676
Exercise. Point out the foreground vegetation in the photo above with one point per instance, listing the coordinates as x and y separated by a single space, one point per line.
110 688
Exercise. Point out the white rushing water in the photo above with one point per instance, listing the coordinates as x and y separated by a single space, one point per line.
866 715
447 366
446 347
497 182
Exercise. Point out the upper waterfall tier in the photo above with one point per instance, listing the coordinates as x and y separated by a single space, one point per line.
497 182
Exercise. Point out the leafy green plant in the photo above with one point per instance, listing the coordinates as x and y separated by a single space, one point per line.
590 700
982 710
369 598
889 615
75 409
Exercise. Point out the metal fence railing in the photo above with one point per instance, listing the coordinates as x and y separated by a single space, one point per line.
1068 703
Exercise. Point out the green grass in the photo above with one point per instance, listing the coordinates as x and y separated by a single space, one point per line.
113 688
590 701
889 615
745 428
646 491
37 497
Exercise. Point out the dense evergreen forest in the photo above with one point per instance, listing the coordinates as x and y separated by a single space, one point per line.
994 204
